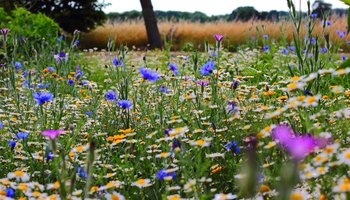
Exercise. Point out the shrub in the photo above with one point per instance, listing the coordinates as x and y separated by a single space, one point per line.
27 24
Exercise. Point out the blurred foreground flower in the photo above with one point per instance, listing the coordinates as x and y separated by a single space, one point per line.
298 146
52 134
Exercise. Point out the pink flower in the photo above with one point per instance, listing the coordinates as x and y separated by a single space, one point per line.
52 134
201 82
4 31
218 37
298 146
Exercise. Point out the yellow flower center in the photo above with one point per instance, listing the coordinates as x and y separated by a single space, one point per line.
19 173
296 196
347 155
115 197
200 142
141 181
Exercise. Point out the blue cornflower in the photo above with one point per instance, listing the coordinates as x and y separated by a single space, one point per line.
265 36
207 68
49 156
291 48
312 40
84 82
75 43
163 89
70 82
149 74
61 56
266 48
22 135
50 69
81 172
313 15
111 95
41 85
343 57
175 144
117 62
60 38
284 51
329 23
323 50
235 85
12 144
0 125
126 104
10 192
173 67
163 173
233 146
18 65
42 97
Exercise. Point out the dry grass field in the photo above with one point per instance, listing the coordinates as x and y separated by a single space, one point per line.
133 33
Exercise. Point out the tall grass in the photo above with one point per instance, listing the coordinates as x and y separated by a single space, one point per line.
133 32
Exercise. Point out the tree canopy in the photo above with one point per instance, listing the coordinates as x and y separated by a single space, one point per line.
83 15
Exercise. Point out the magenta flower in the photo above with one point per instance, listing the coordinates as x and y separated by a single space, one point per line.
201 82
218 37
298 146
4 31
52 134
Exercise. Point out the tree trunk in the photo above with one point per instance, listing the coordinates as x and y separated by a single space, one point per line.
151 24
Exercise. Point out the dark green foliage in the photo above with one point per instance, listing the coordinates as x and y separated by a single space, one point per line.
29 25
83 15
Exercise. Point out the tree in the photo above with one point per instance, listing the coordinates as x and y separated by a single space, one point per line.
321 8
151 24
83 15
244 13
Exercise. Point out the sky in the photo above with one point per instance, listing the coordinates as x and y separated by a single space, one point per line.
209 7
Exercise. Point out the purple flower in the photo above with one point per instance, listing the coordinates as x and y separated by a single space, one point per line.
4 31
323 50
52 134
42 97
149 74
207 68
163 89
126 104
343 57
265 36
202 82
313 15
328 23
298 146
218 37
111 95
173 67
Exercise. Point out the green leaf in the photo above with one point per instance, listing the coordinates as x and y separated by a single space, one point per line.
346 2
345 64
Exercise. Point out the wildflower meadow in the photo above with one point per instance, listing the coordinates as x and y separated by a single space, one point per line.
270 121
